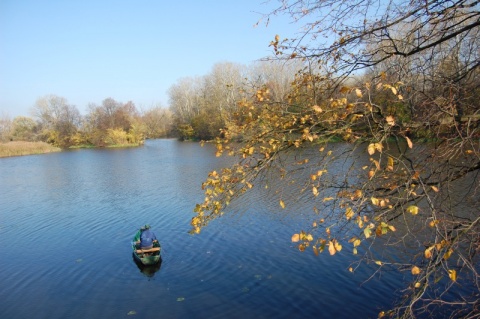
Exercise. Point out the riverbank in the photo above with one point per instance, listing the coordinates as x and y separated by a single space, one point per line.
20 148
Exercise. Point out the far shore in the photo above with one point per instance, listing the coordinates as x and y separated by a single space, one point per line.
20 148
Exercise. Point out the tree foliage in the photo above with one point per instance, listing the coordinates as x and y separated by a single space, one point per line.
202 106
57 118
421 80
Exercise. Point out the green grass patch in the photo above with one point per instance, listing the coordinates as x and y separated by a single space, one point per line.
20 148
124 145
82 146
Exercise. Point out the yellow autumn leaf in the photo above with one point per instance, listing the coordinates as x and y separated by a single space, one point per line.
435 189
337 245
371 148
358 92
317 109
452 273
378 146
428 252
390 163
375 201
409 142
433 223
355 251
412 209
378 262
350 269
415 270
358 193
315 191
448 254
282 204
371 173
344 89
349 213
359 222
394 90
390 120
357 242
295 238
320 172
367 232
331 248
326 199
309 237
417 285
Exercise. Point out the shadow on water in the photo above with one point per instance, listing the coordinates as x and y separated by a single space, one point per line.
148 271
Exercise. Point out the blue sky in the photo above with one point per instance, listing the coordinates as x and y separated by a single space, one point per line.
86 51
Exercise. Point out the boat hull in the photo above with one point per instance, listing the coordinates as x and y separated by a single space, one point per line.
147 258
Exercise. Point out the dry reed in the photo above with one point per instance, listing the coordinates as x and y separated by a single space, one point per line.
19 148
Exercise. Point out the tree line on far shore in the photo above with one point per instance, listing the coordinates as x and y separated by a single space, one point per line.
111 123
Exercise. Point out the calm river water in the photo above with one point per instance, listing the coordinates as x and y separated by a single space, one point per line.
66 221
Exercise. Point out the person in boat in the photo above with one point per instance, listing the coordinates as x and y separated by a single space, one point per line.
136 239
147 238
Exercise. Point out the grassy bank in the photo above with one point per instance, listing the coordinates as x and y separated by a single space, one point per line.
20 148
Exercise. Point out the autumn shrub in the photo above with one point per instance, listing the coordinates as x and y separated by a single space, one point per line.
116 137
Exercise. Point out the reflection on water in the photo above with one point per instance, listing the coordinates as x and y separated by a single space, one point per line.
148 271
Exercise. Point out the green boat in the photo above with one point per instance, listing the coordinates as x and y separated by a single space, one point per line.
147 256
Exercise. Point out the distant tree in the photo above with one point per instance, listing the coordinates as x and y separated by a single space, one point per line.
421 61
157 122
58 119
202 106
24 129
276 75
5 127
112 116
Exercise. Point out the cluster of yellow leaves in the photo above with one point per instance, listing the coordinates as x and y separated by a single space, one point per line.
412 209
334 246
428 253
263 94
302 236
372 147
445 248
381 202
356 242
306 238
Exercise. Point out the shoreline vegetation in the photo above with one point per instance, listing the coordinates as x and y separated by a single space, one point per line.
21 148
